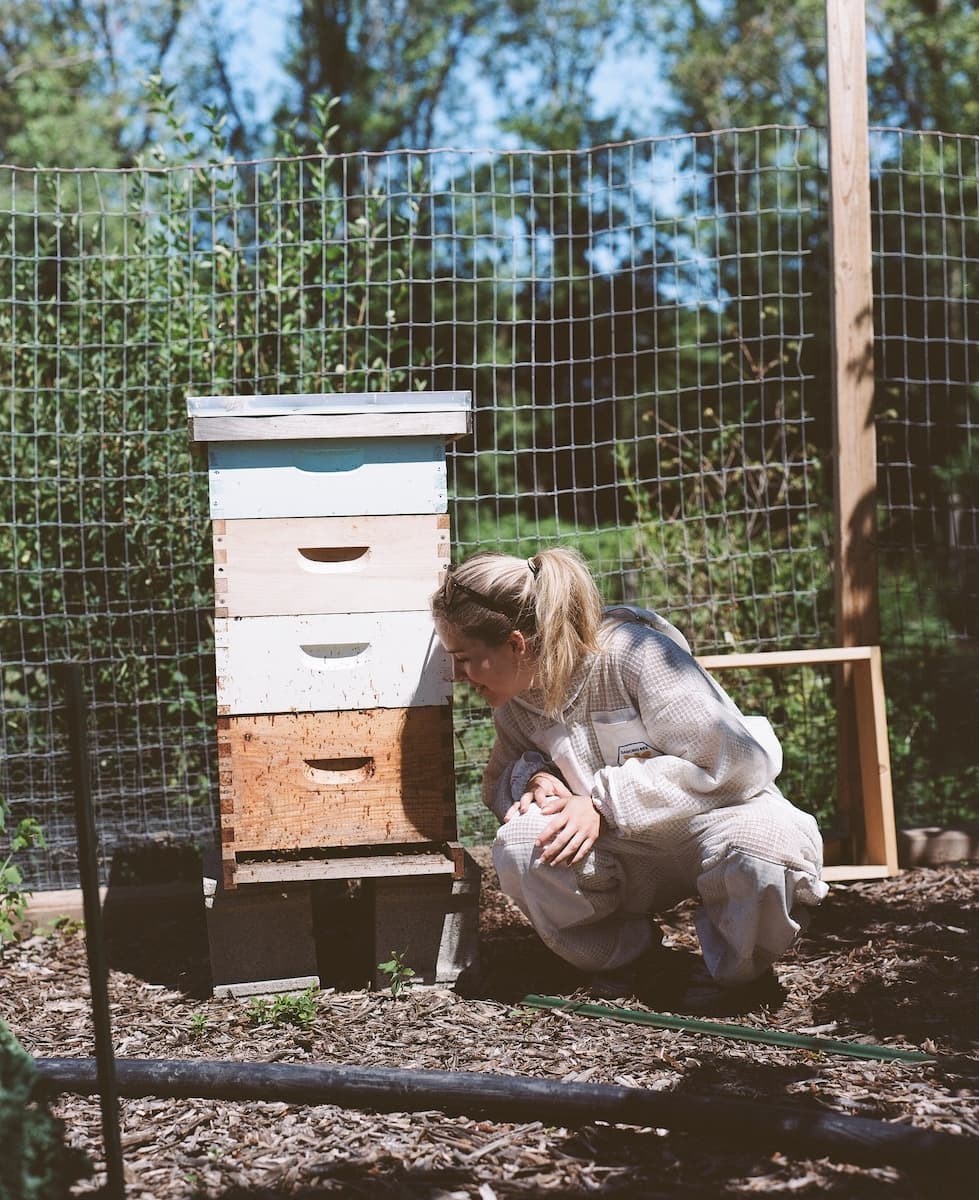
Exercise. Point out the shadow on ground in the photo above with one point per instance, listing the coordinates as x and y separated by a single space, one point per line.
909 967
153 917
905 965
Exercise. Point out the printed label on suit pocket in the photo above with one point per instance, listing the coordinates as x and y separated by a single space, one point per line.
621 735
635 750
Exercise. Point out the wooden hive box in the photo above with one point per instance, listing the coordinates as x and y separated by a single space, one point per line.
331 531
369 777
310 565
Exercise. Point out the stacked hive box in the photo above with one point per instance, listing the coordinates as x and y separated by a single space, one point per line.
330 526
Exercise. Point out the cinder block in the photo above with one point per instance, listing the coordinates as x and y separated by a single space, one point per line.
432 921
934 846
260 938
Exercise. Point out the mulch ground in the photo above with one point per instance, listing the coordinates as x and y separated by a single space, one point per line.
893 962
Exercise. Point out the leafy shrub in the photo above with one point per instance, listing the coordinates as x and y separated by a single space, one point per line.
13 896
35 1163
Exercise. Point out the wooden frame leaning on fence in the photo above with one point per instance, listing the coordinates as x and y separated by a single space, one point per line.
877 852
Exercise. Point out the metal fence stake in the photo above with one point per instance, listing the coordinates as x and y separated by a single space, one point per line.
98 973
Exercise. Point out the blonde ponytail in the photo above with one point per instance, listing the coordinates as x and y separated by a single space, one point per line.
550 598
569 612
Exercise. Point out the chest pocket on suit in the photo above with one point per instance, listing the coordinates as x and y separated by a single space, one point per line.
621 735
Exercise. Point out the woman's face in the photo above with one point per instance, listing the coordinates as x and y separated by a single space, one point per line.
498 673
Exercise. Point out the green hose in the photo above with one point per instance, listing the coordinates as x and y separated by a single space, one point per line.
745 1033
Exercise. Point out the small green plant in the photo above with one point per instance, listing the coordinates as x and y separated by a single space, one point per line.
195 1183
291 1008
13 896
197 1024
400 973
68 926
258 1010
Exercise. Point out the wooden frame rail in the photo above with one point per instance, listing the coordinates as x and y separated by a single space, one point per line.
878 853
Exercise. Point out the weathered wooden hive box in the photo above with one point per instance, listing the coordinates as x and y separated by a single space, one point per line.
331 531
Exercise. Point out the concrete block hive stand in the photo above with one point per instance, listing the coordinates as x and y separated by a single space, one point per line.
331 531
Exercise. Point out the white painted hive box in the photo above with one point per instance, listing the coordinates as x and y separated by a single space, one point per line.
327 509
328 455
329 662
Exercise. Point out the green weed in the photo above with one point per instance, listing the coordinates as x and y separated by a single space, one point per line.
197 1024
288 1008
401 975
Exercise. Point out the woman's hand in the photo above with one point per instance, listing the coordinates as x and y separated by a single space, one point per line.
572 833
541 788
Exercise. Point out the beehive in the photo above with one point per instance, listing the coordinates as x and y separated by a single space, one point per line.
331 531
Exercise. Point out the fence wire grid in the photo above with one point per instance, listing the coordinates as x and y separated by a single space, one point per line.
644 328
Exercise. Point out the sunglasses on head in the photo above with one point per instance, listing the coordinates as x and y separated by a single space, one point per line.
452 585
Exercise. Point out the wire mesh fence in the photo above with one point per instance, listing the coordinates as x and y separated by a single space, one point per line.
644 328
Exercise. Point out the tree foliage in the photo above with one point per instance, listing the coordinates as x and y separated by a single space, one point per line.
742 63
394 67
413 73
55 103
72 76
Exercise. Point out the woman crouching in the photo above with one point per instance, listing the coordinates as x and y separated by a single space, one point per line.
625 780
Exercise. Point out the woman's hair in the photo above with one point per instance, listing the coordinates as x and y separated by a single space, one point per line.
550 598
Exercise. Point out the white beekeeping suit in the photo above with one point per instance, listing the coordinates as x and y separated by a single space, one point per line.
685 784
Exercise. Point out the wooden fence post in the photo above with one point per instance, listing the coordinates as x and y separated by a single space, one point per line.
854 432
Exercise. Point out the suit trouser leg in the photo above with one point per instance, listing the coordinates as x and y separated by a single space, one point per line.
759 878
576 911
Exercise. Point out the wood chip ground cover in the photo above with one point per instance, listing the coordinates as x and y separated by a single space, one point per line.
893 961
